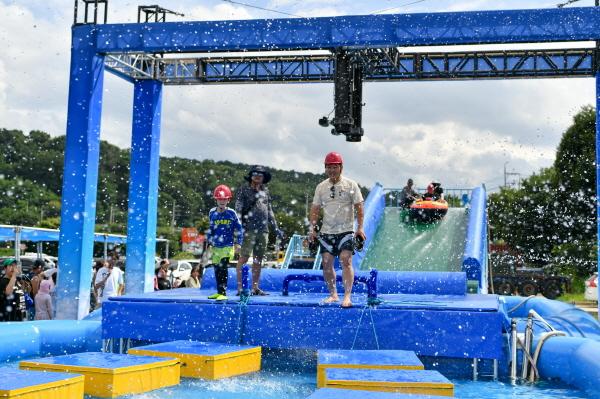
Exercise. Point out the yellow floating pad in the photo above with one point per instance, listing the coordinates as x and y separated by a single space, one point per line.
424 382
207 360
25 384
108 375
365 359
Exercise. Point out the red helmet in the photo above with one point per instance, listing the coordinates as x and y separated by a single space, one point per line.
222 192
333 158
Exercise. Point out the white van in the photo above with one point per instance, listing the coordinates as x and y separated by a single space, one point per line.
182 269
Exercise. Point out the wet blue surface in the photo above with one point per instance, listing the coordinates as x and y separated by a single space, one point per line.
333 393
278 385
372 357
99 360
472 302
385 376
196 348
13 378
292 375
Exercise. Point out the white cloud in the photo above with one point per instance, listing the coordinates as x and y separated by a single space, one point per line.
459 132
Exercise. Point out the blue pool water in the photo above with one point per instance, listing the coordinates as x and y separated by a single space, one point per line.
292 375
279 385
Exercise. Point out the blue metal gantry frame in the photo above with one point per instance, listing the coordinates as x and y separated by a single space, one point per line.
372 37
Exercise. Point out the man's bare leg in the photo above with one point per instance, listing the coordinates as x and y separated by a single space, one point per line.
329 276
241 261
347 277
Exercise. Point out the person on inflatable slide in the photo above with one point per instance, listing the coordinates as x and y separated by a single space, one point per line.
435 192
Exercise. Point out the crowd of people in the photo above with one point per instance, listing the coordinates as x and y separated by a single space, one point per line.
31 296
27 297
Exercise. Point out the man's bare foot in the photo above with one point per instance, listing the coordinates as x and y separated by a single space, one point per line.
331 299
346 303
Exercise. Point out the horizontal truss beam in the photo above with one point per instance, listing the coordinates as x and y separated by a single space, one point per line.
360 31
379 65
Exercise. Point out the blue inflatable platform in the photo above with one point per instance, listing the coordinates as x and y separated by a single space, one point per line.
460 326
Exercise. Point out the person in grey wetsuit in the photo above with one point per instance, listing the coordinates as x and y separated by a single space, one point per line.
253 206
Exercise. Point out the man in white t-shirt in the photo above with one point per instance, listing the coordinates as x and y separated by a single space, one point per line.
109 280
339 198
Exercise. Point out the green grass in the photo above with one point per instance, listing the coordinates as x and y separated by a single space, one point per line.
570 297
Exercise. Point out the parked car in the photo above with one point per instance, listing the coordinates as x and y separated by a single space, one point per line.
50 261
181 269
591 288
28 260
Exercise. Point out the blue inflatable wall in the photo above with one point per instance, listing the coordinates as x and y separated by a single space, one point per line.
388 282
474 259
48 337
575 361
560 315
373 212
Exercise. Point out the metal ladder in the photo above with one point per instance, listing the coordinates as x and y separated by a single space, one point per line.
298 248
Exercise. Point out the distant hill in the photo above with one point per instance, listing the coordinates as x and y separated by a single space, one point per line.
31 170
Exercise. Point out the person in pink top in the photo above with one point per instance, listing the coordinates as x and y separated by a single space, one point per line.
43 302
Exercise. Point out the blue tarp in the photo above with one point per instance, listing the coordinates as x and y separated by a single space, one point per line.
37 234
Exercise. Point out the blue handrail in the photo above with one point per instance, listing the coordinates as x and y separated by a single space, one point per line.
370 281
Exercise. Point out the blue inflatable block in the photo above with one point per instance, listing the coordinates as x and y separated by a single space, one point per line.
13 379
365 359
385 376
196 347
109 375
98 360
331 393
369 357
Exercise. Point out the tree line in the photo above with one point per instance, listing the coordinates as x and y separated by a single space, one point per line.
551 218
31 171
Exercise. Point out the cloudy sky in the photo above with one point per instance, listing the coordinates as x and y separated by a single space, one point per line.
462 133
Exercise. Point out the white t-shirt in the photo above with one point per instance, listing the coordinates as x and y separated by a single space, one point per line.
337 201
112 284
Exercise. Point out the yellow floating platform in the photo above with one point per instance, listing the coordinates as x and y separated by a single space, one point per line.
207 360
108 375
423 382
24 384
365 359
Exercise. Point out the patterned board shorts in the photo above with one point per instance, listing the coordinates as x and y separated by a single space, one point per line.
336 243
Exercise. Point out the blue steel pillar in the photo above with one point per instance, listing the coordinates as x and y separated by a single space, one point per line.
598 172
143 187
82 151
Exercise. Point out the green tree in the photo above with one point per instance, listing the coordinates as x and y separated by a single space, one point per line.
552 218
